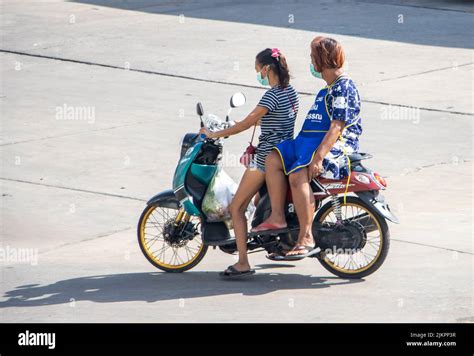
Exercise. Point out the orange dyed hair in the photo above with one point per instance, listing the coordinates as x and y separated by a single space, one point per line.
327 53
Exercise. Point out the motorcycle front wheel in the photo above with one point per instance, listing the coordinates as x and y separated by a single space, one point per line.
367 259
169 238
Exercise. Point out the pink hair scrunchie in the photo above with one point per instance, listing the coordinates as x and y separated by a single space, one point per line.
275 53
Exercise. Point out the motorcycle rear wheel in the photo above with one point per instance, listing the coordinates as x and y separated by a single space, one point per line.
169 256
356 266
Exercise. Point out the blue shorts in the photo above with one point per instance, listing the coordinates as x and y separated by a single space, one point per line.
298 152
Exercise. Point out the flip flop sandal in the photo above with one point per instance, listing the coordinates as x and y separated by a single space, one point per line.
232 272
268 232
275 257
264 227
312 250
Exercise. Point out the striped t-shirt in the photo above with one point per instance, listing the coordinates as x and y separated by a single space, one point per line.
279 122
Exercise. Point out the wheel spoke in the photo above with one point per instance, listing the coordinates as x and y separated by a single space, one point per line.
365 256
169 251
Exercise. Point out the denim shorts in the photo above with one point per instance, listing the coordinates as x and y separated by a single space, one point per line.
255 165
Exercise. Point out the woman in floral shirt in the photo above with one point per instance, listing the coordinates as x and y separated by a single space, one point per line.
330 131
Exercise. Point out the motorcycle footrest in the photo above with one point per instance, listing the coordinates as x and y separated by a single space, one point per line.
221 242
271 232
252 245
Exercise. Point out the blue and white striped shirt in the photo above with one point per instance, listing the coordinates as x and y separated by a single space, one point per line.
279 122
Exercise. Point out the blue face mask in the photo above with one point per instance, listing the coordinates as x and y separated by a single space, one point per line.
314 73
263 81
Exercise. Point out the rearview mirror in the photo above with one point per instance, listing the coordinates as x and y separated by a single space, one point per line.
199 109
238 99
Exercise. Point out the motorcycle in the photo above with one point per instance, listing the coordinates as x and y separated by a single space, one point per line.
351 231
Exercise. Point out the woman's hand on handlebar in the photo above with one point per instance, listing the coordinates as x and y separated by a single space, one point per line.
205 133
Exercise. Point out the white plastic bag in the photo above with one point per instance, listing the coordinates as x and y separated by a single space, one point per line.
218 197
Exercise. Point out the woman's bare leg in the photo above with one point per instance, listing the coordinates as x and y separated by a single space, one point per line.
304 205
277 187
251 182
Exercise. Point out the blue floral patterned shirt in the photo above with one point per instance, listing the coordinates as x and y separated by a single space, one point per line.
343 103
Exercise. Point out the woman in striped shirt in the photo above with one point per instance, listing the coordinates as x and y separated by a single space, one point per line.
276 112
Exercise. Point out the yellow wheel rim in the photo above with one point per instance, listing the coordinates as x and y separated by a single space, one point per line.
158 249
364 258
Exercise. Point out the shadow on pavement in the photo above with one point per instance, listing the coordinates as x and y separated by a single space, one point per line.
439 23
156 286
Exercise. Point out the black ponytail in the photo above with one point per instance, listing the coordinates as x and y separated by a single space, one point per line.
277 62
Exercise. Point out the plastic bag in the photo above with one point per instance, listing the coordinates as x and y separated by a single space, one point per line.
218 197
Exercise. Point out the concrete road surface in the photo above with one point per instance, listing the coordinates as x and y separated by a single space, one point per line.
73 185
